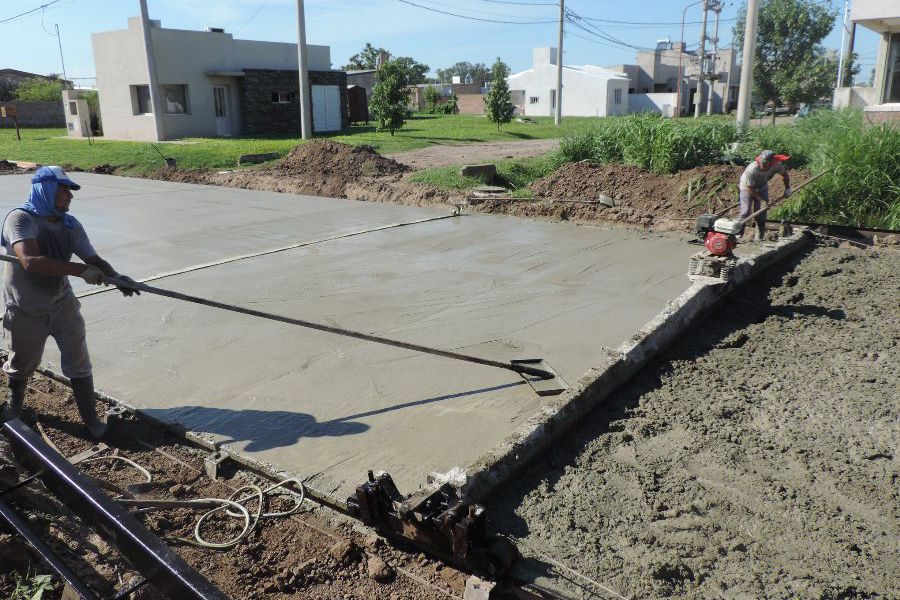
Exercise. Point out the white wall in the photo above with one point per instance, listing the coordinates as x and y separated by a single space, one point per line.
659 103
584 95
182 58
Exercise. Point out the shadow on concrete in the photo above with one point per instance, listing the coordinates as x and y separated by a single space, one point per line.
264 430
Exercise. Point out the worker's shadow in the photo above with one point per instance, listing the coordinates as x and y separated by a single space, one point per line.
262 429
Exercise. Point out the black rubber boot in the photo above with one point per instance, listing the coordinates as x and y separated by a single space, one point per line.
83 390
12 408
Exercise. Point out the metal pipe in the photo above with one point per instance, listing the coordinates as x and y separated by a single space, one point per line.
170 574
557 117
517 368
22 528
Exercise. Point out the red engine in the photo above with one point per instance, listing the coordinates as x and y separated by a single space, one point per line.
720 244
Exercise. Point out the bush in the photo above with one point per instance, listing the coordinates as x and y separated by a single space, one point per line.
863 188
38 89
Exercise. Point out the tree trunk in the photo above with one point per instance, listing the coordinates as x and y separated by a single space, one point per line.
774 111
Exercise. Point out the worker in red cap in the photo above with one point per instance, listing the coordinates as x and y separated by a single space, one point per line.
754 186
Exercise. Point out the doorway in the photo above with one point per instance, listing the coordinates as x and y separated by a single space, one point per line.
220 101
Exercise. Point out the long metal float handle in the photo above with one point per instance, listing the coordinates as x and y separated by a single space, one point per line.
522 369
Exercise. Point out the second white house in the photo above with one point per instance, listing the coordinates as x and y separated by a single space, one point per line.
588 90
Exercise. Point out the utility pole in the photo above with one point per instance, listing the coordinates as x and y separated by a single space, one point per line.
155 100
680 60
713 57
840 77
746 91
698 96
61 59
303 66
559 64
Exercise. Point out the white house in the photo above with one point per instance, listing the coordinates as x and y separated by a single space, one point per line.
588 91
881 101
210 84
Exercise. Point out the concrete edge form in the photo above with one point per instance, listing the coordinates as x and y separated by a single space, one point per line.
615 368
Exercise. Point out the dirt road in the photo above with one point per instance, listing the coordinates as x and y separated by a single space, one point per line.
756 458
443 156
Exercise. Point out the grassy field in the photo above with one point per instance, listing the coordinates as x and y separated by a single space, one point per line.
50 146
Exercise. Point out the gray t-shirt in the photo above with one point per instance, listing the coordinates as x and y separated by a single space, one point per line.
758 179
30 292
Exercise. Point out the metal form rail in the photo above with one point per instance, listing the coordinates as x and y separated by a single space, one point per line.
158 563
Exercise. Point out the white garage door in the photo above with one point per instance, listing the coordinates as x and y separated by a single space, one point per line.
326 101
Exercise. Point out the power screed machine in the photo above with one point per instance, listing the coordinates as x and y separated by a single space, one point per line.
720 237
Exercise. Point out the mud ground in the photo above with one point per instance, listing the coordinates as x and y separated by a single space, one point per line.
309 555
444 155
756 458
642 199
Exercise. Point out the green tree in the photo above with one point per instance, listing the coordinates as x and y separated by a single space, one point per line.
432 97
367 58
390 96
38 89
498 104
478 72
790 65
415 71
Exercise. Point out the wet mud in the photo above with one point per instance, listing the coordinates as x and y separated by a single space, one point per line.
756 458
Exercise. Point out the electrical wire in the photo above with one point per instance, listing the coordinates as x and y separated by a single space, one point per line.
28 12
521 3
452 14
253 16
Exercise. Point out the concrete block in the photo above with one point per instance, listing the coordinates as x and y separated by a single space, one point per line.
483 172
248 159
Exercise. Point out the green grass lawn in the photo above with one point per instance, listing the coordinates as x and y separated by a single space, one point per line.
50 146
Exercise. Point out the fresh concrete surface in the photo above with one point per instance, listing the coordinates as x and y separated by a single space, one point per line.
329 407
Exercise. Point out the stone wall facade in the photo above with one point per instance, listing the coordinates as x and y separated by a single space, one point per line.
36 114
259 114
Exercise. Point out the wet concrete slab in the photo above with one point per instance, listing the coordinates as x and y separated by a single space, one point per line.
327 407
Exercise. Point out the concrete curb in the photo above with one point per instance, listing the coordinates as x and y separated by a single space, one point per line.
563 412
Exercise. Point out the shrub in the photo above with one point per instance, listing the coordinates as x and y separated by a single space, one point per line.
390 97
38 89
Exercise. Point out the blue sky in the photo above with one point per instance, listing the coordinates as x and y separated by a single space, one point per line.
436 39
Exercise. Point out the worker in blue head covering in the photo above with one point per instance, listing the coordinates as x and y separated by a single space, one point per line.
39 300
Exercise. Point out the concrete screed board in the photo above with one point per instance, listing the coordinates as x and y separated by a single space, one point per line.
329 407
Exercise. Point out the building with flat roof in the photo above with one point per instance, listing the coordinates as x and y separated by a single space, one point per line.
588 90
881 100
211 84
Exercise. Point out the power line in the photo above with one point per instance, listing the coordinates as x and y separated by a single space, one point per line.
522 3
444 12
253 16
28 12
651 23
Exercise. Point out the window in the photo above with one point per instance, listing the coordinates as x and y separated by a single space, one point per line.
140 99
533 100
617 96
73 108
175 99
892 70
630 90
282 97
552 98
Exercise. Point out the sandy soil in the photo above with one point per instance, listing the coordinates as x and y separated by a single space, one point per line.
470 154
756 458
307 556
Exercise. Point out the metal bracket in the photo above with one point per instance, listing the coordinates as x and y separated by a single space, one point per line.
213 464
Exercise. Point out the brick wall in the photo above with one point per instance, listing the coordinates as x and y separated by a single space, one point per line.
471 104
36 114
260 115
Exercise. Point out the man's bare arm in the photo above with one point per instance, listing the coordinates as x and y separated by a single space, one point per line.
31 259
101 264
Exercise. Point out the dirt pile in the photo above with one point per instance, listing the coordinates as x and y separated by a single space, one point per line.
327 158
756 458
643 198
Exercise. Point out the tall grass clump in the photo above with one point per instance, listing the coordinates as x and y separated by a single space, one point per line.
863 187
652 142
